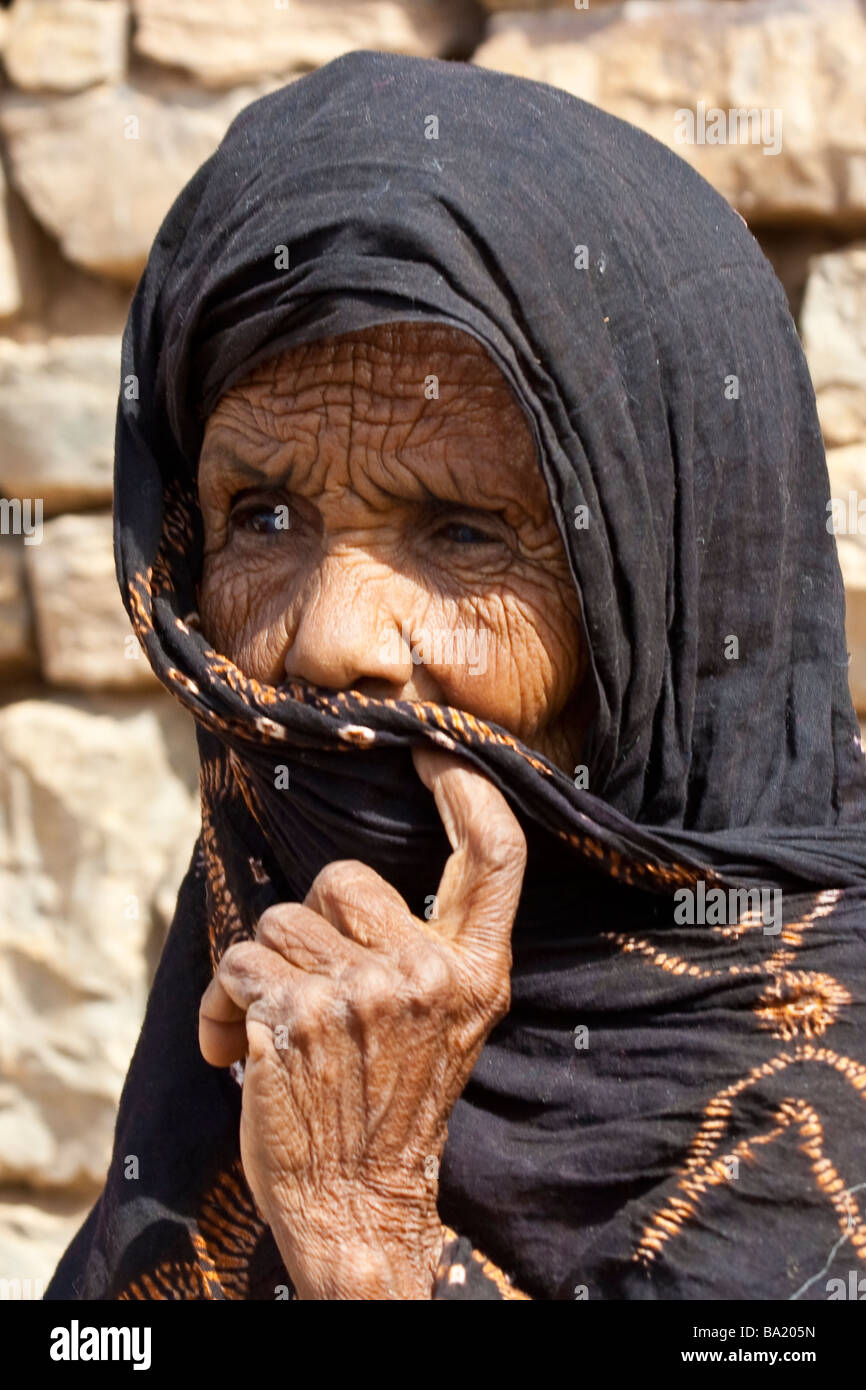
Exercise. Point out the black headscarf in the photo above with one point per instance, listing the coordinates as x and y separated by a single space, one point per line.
669 1109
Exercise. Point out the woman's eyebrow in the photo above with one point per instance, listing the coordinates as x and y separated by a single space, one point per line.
233 464
448 493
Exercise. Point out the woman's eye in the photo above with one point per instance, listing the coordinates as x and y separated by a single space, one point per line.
262 518
461 533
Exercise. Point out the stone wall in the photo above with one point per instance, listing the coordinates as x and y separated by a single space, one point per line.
107 107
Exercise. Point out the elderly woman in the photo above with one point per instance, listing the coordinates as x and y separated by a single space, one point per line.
470 495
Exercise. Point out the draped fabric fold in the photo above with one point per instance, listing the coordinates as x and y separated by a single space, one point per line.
675 1105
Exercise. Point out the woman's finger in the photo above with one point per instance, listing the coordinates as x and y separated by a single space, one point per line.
480 886
307 938
222 1034
252 984
361 905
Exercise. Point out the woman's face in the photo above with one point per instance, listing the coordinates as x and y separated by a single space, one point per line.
364 532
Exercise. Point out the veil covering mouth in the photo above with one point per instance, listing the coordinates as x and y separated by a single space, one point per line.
655 1082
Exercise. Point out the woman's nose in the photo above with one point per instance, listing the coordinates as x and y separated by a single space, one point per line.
350 630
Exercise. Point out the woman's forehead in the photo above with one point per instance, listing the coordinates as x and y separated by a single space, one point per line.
390 355
422 399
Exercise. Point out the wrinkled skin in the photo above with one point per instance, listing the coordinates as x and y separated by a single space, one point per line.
344 510
347 441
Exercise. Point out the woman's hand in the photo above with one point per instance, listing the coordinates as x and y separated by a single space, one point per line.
361 1025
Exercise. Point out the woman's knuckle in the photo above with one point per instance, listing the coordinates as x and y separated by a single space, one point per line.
342 881
309 1014
507 847
372 992
431 977
498 832
237 959
271 926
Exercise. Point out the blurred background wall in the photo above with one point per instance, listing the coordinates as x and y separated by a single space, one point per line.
107 107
